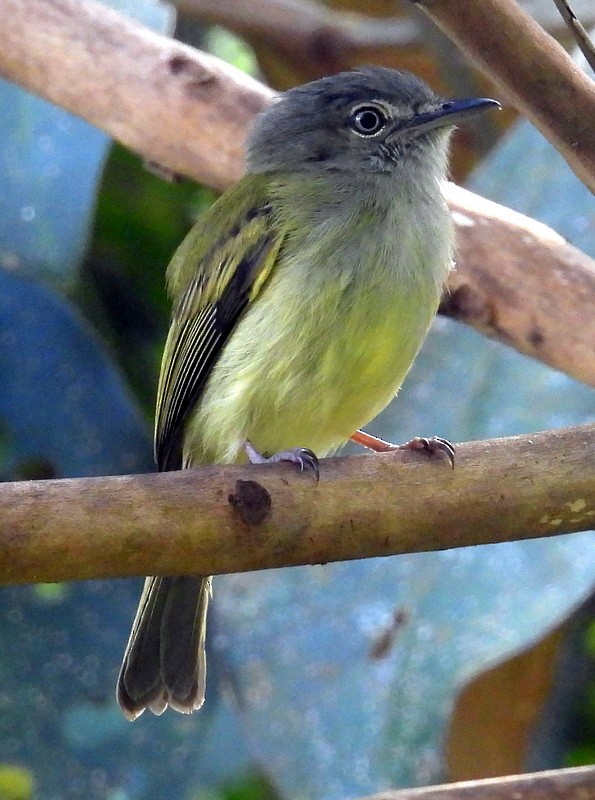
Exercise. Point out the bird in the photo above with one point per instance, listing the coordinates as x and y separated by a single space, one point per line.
299 302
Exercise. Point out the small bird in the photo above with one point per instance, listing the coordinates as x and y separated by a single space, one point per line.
300 299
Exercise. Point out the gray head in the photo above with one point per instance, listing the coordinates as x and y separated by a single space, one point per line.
371 119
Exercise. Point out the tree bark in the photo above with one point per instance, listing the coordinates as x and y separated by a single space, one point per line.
232 519
519 282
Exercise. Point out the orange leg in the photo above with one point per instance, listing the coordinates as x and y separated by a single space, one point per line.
372 442
432 446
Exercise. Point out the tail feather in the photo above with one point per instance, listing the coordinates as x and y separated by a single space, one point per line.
183 662
164 663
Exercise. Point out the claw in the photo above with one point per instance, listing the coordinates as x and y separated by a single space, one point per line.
435 445
306 458
302 456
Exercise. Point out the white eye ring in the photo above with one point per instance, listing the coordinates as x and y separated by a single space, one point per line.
367 120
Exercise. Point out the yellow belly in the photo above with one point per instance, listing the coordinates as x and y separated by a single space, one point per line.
308 366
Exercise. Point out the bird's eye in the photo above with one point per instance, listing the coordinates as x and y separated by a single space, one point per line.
367 120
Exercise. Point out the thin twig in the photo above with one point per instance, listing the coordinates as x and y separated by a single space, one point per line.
578 31
574 783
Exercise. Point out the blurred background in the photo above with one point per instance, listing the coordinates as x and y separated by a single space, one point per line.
324 682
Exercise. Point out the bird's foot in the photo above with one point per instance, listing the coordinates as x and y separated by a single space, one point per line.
435 445
301 456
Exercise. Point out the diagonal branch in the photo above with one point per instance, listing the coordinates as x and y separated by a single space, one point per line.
498 250
532 69
232 519
176 106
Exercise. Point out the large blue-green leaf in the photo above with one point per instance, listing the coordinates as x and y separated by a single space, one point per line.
65 411
62 403
50 162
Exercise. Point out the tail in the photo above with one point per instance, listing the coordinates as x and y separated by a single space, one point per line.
164 663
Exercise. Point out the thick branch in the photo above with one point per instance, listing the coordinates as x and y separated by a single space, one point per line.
531 68
233 519
552 317
577 783
189 112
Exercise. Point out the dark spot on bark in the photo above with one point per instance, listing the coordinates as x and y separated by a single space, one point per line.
177 64
194 76
251 502
465 304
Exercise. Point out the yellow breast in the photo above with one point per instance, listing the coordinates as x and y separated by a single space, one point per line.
308 368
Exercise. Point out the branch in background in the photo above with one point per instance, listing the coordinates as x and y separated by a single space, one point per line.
329 36
189 112
580 34
308 32
232 519
575 783
499 252
531 68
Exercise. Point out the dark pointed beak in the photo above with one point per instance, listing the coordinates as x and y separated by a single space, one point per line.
450 112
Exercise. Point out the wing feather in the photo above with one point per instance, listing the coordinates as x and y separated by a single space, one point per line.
224 279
